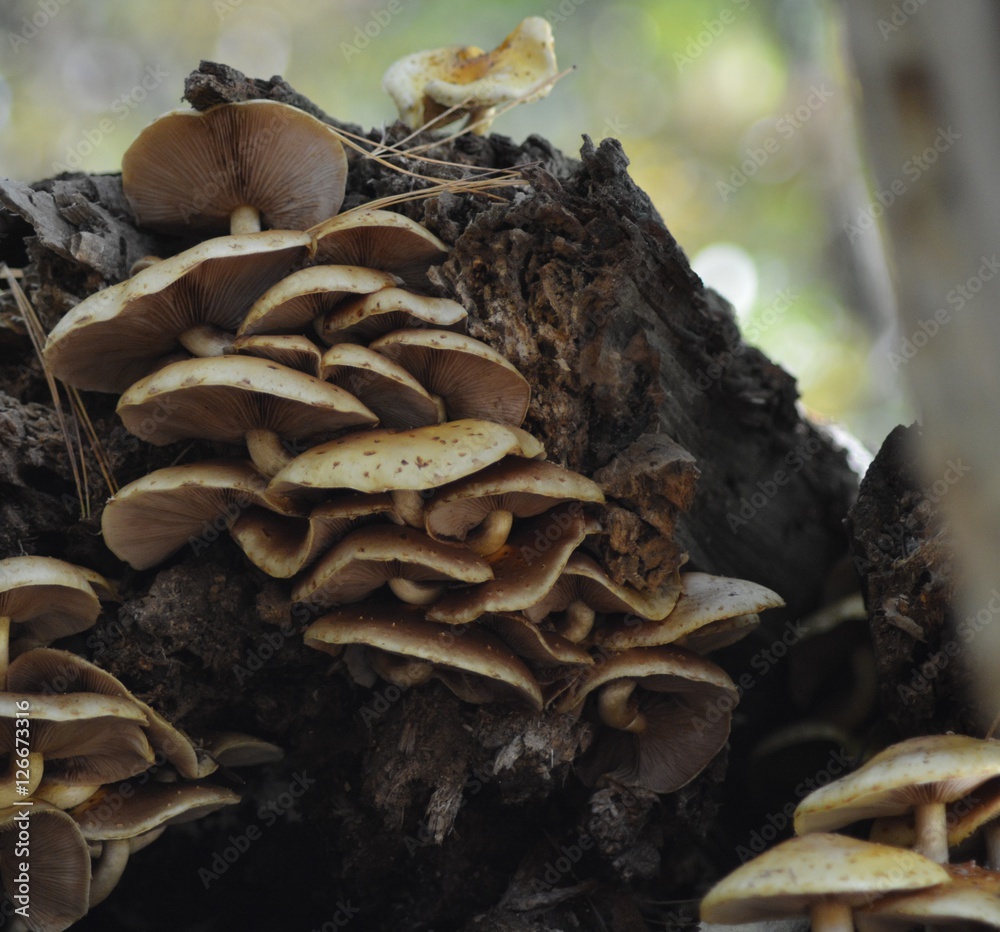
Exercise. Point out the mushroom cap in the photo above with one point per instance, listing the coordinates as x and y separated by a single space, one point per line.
300 298
933 768
116 336
188 171
61 672
520 68
396 397
472 379
422 458
60 865
83 737
523 571
703 600
972 896
534 644
791 876
282 545
46 597
236 749
224 397
289 349
381 312
370 556
718 634
379 239
583 580
149 519
524 487
400 630
148 807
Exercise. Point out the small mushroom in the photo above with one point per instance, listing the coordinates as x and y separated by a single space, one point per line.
703 602
59 880
304 296
922 774
235 168
282 545
395 396
235 398
194 300
472 380
379 239
524 569
459 655
664 712
151 518
439 86
289 349
382 312
584 589
479 510
44 599
414 566
825 876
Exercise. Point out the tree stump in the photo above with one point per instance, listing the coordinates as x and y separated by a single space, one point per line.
412 810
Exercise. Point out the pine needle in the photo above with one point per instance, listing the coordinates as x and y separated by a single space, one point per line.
78 465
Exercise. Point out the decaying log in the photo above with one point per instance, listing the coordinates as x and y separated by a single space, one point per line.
410 807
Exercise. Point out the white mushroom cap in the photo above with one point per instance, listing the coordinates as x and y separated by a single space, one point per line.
522 67
362 319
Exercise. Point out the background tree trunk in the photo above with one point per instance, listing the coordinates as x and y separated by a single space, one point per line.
414 810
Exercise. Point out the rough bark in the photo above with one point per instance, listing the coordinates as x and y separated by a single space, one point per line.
426 812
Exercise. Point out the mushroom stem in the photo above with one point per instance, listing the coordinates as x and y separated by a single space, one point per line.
619 708
409 505
4 649
932 832
400 671
991 837
108 870
245 219
831 916
206 340
577 622
491 535
10 793
267 451
416 593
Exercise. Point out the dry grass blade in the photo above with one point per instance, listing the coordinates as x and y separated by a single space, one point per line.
37 335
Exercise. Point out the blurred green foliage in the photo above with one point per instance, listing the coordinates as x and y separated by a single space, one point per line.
736 115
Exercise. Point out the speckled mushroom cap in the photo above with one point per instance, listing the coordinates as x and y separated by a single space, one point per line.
305 295
379 239
289 349
152 517
189 171
794 875
60 865
703 599
472 379
400 630
933 768
362 319
422 458
117 336
425 84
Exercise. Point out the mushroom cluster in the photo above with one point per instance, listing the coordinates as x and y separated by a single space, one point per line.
385 469
927 794
92 774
